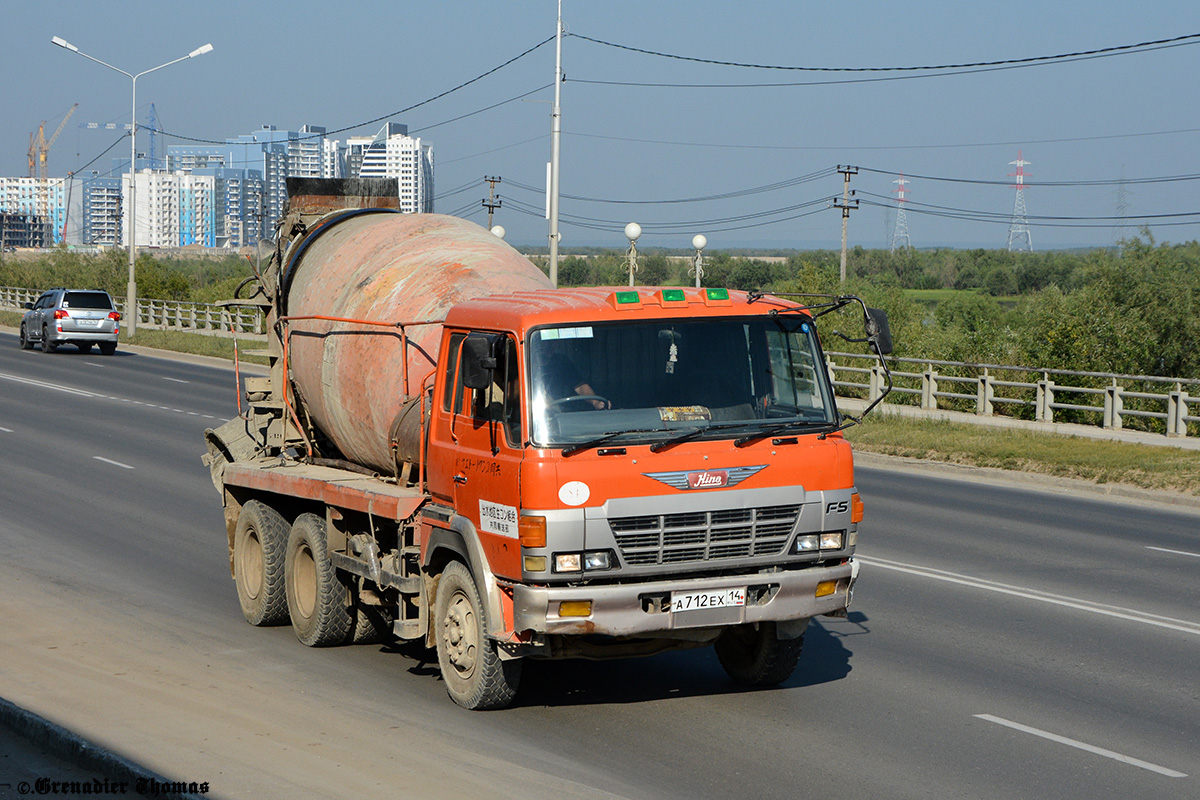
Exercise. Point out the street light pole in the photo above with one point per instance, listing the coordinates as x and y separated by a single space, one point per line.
131 289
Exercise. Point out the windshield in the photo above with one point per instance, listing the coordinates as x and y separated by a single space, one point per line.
650 381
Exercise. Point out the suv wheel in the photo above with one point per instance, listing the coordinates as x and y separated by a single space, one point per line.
47 345
108 348
25 343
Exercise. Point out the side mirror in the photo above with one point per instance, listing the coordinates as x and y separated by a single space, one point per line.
29 305
478 363
878 331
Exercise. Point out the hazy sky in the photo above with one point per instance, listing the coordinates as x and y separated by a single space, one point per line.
1128 116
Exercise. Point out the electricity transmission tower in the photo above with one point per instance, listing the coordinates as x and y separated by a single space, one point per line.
1018 230
900 232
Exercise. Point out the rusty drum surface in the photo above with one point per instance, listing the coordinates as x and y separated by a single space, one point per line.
394 268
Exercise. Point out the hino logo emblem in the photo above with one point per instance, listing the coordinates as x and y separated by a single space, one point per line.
708 480
705 478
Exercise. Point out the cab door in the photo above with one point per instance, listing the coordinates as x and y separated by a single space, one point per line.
476 444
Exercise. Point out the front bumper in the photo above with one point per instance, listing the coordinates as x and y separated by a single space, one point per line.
643 609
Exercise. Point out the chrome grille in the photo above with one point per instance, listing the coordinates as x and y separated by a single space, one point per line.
704 535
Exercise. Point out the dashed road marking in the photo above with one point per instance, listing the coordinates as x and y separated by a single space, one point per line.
110 461
1176 552
1100 751
1131 614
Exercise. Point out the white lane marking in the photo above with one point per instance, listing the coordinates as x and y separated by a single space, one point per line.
1132 614
110 461
1170 773
6 430
176 380
44 385
94 364
82 393
1176 552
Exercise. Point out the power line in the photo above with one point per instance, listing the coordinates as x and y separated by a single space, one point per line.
405 110
771 187
1160 179
844 148
1190 38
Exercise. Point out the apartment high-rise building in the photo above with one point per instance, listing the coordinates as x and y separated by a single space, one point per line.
392 153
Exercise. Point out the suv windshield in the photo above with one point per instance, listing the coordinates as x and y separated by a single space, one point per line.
93 300
654 381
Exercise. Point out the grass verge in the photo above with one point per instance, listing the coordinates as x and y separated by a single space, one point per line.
1148 467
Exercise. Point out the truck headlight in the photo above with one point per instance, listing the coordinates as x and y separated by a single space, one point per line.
568 562
592 561
831 541
597 560
807 543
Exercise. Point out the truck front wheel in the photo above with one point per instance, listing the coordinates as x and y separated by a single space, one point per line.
259 542
317 599
754 655
475 675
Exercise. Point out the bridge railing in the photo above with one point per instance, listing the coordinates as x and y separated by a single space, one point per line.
177 315
1170 406
1109 400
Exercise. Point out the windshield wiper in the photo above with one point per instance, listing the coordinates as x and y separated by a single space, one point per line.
608 437
693 433
779 427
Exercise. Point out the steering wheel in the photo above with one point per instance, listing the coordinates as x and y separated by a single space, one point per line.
579 398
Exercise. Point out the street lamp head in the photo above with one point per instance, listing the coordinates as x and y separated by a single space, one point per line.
61 42
699 241
633 231
498 231
199 51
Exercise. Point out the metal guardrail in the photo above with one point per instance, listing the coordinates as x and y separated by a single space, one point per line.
1142 402
1110 400
176 315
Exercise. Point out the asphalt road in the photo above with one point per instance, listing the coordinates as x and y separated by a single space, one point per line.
1005 642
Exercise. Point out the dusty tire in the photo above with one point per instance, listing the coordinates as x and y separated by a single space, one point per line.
753 655
259 544
47 345
475 676
25 343
317 599
372 624
108 348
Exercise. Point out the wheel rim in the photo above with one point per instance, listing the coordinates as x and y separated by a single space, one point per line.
304 581
250 565
460 635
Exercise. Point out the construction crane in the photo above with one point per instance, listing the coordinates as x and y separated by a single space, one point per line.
39 148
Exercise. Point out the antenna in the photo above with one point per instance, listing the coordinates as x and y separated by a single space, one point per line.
1019 229
900 234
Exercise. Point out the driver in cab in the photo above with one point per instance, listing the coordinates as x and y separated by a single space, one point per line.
564 382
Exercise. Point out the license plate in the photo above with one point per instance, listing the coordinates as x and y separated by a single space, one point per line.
93 323
713 598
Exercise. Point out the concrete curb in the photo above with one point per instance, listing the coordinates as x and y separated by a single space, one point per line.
85 755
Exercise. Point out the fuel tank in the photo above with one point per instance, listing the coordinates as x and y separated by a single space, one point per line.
358 382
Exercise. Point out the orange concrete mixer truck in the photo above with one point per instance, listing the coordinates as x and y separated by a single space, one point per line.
451 451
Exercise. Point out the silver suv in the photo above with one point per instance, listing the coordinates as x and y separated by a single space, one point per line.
81 317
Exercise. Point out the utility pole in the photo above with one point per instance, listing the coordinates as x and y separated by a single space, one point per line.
492 203
846 205
555 136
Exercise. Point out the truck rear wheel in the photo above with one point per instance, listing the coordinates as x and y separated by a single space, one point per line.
317 599
754 655
475 675
259 543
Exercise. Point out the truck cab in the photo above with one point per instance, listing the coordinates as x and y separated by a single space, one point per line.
644 469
